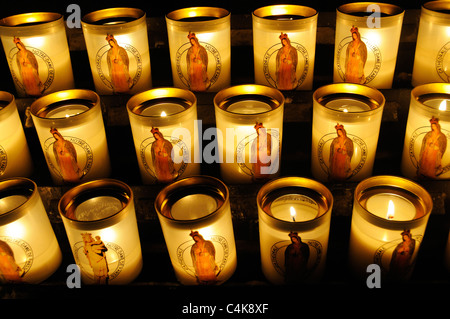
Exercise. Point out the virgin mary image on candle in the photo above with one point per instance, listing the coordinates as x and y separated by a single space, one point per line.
341 152
433 148
197 65
261 153
9 270
296 259
28 69
401 260
286 66
95 251
161 151
203 256
66 158
118 66
355 59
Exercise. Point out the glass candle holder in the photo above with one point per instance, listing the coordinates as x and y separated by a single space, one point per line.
100 222
432 57
37 52
195 218
284 46
425 153
15 157
389 219
29 250
346 125
71 131
249 121
200 48
366 43
117 46
164 127
294 223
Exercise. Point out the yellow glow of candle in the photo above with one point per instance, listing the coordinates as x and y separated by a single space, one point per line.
443 105
391 210
163 113
293 213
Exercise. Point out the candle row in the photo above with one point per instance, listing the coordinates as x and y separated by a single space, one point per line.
284 40
246 142
388 224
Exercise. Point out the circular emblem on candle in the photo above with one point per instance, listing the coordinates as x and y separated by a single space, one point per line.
3 160
198 64
70 157
357 59
31 68
114 62
341 154
427 150
258 154
295 259
164 157
397 257
204 257
17 256
101 261
286 64
443 63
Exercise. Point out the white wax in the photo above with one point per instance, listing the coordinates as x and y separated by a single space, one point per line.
98 208
249 107
348 105
193 207
401 208
294 207
162 109
67 111
11 202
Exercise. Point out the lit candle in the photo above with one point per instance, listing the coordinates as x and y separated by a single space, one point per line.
37 52
200 48
389 219
29 249
294 222
195 218
100 222
284 45
346 125
165 133
366 43
432 45
117 46
249 121
70 128
15 158
425 150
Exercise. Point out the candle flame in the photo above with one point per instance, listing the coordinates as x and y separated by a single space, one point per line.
293 213
391 210
163 113
443 105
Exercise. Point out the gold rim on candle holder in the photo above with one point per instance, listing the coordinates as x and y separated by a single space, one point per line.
83 192
139 102
43 105
113 18
8 101
352 10
206 185
204 15
410 190
18 186
268 14
439 9
226 97
297 186
422 93
32 22
371 96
